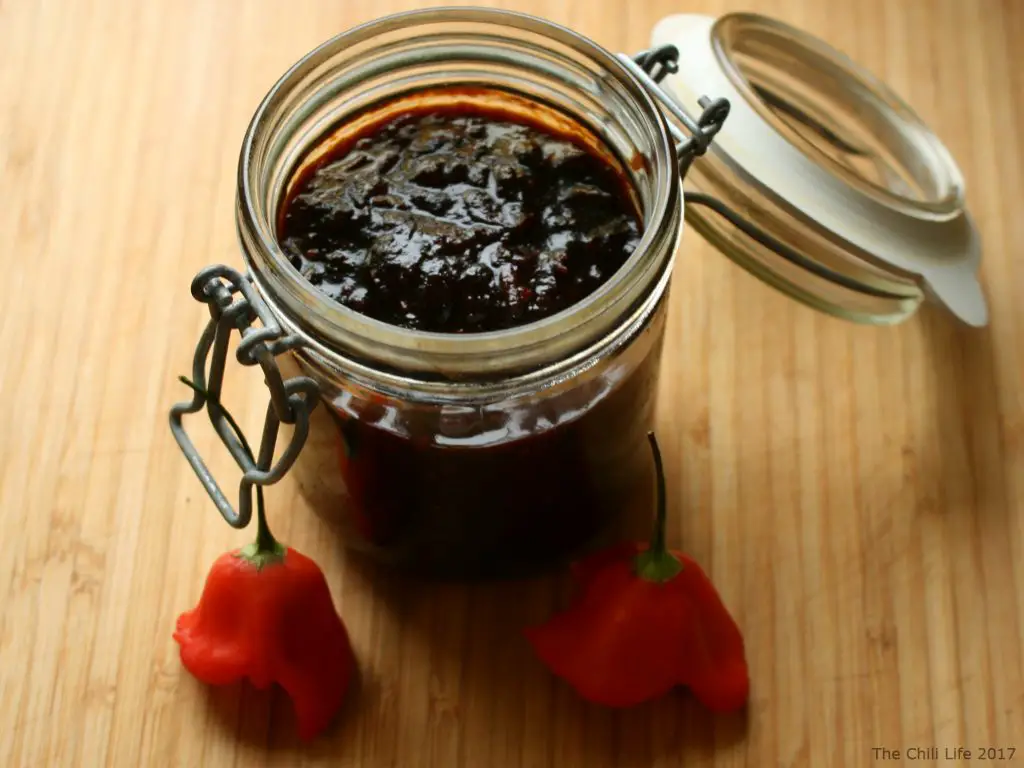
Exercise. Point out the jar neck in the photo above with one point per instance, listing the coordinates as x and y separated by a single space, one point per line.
394 56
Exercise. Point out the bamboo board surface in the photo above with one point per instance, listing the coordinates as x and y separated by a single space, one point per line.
857 494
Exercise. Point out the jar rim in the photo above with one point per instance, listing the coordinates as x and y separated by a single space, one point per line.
336 330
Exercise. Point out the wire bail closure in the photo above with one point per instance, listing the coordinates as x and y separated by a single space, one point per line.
291 400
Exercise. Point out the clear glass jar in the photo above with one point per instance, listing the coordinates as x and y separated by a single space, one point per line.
476 455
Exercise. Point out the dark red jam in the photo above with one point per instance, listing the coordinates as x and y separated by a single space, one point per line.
468 219
459 221
432 495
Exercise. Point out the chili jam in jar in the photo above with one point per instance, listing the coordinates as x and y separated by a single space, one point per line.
466 219
459 218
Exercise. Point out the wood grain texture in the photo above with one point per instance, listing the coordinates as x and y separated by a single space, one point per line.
856 493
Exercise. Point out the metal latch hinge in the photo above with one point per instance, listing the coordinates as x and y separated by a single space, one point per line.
650 68
235 304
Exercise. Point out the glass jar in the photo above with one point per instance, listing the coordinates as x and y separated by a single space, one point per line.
470 455
499 454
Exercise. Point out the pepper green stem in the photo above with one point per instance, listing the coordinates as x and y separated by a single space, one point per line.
657 563
266 550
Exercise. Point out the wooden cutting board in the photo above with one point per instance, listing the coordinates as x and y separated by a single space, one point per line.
856 493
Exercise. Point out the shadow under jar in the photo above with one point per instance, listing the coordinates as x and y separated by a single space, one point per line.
470 455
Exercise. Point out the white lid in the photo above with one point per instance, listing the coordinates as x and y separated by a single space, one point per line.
828 160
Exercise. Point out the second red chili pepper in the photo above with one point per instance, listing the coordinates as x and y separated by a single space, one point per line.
645 620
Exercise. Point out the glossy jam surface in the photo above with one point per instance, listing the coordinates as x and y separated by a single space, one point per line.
459 220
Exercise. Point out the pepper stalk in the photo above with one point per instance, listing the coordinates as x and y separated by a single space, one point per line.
657 563
265 550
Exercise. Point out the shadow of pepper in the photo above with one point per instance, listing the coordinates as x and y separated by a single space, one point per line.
247 712
265 719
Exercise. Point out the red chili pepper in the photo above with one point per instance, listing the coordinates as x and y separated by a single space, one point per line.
266 614
644 620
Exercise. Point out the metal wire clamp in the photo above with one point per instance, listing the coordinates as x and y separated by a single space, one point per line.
291 401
